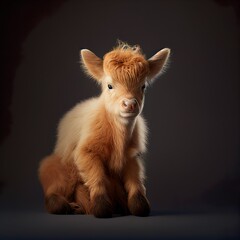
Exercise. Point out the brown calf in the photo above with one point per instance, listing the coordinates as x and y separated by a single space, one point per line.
96 167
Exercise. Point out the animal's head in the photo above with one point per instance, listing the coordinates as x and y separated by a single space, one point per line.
124 73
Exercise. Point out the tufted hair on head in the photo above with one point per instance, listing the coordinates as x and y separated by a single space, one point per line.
126 64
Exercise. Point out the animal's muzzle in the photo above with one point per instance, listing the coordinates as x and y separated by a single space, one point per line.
129 105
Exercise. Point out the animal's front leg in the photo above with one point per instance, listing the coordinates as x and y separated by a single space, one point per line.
133 181
93 174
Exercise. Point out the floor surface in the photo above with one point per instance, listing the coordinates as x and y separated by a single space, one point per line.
160 225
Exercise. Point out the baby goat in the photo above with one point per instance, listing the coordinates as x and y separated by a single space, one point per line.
96 167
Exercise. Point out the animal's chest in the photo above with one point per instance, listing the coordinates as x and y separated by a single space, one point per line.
111 144
117 155
116 158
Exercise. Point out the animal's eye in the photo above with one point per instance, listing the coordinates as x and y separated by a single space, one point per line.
143 87
110 86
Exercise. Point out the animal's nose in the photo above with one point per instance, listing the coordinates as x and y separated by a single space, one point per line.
129 105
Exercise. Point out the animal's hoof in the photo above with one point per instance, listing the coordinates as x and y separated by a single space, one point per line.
76 208
57 204
138 205
102 207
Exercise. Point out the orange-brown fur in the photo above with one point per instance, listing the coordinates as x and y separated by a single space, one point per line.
123 65
96 166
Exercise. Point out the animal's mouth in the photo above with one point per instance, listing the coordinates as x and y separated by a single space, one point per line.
128 114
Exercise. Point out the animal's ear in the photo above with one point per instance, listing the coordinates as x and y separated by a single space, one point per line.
92 64
157 63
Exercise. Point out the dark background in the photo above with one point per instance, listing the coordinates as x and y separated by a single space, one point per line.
192 111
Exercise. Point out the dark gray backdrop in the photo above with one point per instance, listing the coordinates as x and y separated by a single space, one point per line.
192 110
